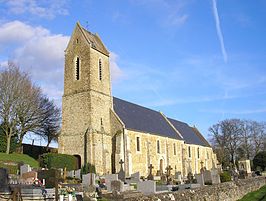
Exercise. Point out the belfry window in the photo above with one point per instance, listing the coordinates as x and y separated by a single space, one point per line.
100 69
77 66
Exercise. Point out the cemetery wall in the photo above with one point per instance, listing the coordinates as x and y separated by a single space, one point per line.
229 191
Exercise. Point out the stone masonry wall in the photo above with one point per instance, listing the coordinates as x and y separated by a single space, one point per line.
228 191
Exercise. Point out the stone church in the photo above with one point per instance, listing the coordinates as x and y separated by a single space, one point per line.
101 129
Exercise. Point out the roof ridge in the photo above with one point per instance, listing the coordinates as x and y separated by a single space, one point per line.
197 132
166 119
137 105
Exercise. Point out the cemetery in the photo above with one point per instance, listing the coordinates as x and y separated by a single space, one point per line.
64 184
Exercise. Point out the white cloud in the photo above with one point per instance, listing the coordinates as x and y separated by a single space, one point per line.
38 52
41 8
218 29
116 72
41 53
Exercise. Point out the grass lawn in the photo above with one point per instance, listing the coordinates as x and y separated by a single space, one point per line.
259 195
18 158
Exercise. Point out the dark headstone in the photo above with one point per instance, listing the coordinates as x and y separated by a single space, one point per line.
121 173
150 176
4 187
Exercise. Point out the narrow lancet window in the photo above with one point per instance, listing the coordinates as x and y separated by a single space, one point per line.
138 144
100 69
158 146
77 64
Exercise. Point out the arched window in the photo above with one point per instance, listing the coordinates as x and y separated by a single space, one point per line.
100 69
77 66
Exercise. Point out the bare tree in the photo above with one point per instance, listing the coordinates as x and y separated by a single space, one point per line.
12 81
226 138
258 134
23 107
50 127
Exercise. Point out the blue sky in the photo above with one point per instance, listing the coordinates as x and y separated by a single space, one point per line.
196 61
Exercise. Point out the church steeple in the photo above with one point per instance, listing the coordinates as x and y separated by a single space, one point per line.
87 97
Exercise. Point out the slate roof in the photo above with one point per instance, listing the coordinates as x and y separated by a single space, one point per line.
142 119
95 41
196 131
187 132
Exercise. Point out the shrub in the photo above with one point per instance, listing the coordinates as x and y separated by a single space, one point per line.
260 160
88 168
225 176
53 160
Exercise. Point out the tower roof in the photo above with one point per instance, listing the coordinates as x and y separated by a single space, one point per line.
94 40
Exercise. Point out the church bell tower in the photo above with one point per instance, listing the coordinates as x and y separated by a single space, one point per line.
87 101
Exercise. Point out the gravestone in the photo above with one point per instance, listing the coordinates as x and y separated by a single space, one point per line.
207 177
178 177
24 169
77 174
146 187
108 179
121 173
215 177
168 174
88 180
134 178
189 177
200 179
244 165
4 187
117 185
71 173
30 175
150 176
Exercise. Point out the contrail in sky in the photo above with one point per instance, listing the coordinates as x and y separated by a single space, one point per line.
218 29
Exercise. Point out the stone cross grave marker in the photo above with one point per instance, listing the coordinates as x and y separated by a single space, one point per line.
121 173
150 176
168 173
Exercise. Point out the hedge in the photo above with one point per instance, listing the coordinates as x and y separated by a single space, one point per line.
53 160
225 176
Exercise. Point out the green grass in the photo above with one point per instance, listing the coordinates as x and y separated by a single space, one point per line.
259 195
18 158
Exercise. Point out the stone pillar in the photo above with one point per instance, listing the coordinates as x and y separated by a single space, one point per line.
119 150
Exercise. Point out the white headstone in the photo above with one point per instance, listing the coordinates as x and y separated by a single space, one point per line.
77 173
108 179
200 179
71 173
215 176
88 179
24 169
146 187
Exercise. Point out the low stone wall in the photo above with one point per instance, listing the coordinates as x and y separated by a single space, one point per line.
228 191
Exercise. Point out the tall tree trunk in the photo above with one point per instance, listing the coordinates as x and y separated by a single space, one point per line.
8 142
